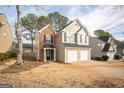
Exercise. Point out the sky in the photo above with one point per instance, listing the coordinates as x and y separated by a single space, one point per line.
108 18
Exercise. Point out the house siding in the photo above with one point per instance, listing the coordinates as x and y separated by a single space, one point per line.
5 42
46 31
96 50
60 48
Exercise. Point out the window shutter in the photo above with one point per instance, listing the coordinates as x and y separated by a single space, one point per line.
80 38
85 39
44 38
75 37
51 39
65 37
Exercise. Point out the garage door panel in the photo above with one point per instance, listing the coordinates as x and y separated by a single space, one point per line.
72 55
84 55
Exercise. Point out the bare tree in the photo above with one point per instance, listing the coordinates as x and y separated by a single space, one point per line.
18 36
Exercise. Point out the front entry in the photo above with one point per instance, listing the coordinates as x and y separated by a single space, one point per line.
50 54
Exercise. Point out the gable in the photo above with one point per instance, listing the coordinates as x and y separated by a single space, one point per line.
48 29
111 48
73 27
82 31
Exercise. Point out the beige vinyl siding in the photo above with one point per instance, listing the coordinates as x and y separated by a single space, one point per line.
5 35
72 27
59 48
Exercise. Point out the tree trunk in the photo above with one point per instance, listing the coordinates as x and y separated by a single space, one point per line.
19 39
32 40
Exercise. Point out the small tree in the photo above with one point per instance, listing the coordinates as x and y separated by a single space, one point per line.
57 20
29 23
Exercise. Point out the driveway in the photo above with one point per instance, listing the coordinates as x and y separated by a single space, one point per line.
53 74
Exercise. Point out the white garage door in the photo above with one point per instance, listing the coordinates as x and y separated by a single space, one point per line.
84 55
72 55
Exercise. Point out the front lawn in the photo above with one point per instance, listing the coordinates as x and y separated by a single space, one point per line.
53 74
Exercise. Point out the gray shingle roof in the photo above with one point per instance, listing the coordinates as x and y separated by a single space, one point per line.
121 46
104 38
106 48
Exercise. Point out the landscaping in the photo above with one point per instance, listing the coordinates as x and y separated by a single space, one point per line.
56 74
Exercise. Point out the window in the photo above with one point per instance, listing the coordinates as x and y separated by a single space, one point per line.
81 38
70 37
85 39
47 39
99 45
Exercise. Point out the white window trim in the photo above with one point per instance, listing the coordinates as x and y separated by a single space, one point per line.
63 36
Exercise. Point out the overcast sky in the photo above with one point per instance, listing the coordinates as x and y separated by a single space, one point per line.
108 18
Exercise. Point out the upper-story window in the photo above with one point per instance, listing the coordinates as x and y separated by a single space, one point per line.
80 38
83 38
69 37
99 45
48 39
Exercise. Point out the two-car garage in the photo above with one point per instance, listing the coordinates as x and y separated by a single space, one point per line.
77 54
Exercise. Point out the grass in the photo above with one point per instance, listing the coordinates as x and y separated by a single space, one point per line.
61 75
19 68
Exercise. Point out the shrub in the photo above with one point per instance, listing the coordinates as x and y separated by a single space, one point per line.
116 57
99 58
105 57
6 55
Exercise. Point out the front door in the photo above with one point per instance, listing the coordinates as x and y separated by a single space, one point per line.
50 54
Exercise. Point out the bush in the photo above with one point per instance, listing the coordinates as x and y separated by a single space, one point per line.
116 57
105 57
6 55
96 58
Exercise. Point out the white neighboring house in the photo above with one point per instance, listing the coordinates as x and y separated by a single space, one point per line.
72 43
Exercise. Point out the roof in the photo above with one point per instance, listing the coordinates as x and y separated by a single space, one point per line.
84 28
74 45
1 14
48 46
66 25
46 27
121 46
104 38
96 39
26 45
106 48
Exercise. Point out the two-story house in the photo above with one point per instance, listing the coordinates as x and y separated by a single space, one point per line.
71 44
103 45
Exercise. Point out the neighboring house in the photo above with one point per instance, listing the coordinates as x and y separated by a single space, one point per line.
120 50
27 47
102 46
71 44
5 34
